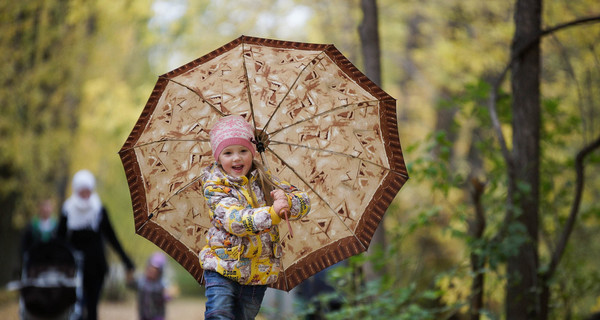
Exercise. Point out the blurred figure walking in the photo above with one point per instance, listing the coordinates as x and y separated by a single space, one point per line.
85 225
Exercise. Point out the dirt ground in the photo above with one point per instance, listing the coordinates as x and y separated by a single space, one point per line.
177 309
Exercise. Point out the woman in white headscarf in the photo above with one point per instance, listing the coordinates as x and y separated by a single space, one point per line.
84 224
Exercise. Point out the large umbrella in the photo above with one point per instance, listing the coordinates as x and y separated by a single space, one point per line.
325 127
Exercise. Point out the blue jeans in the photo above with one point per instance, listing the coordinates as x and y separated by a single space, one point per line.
227 299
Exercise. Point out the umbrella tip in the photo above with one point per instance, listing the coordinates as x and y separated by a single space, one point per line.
145 222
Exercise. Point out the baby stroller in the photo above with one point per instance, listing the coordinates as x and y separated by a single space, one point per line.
50 286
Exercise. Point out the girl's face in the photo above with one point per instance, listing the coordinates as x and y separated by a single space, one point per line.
236 160
152 273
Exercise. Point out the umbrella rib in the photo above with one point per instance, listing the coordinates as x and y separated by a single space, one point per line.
199 96
285 278
174 194
345 106
320 197
318 57
161 141
247 80
338 154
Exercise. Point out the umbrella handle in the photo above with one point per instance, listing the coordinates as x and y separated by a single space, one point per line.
285 212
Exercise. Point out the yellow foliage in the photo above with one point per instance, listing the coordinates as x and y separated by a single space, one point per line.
85 71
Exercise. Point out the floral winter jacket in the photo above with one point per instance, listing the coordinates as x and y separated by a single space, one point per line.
243 242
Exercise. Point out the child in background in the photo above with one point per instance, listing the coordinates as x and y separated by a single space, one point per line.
42 227
151 289
243 252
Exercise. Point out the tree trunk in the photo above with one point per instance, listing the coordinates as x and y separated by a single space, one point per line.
42 102
522 300
369 39
10 238
476 229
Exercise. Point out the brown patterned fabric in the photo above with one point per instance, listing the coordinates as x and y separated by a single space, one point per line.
325 126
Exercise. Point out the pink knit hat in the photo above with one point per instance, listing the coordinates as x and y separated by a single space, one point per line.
231 130
157 260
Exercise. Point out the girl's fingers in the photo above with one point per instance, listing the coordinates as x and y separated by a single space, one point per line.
278 194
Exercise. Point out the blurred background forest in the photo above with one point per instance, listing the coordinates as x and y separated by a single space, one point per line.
76 75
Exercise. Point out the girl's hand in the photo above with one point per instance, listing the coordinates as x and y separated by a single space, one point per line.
278 194
280 202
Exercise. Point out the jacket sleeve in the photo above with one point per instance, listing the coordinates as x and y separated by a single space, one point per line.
299 204
109 233
228 213
298 200
61 230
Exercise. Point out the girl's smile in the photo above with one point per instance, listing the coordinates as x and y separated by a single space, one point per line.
236 160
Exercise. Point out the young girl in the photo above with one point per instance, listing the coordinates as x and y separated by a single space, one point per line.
152 293
243 253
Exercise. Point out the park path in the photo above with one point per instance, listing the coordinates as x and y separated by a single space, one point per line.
177 309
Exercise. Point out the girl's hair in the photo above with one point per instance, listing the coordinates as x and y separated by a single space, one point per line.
266 182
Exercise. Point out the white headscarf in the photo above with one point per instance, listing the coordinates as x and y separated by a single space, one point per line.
83 213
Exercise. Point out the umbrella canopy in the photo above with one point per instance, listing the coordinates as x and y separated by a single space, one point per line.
325 127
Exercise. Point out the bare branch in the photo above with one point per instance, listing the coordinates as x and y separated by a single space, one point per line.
477 225
495 121
570 24
568 228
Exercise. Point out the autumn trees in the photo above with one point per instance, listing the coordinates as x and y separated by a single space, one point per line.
497 105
